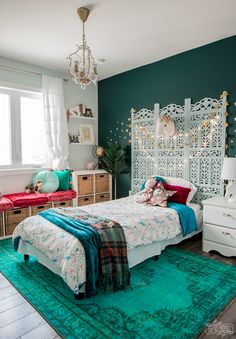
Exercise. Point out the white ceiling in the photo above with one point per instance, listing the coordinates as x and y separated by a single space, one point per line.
127 33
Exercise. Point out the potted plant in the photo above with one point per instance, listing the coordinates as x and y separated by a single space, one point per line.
114 161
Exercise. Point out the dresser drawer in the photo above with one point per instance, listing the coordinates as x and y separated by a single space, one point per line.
220 216
219 235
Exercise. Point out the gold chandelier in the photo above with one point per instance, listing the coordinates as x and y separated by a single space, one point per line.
82 65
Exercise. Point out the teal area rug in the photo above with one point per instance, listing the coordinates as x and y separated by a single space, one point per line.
174 297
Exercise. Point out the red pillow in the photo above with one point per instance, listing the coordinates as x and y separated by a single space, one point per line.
181 194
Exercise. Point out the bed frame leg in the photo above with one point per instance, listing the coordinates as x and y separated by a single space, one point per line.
79 296
26 257
156 257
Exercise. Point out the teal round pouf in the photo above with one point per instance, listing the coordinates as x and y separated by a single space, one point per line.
49 179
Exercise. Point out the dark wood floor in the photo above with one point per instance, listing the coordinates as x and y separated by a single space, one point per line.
19 320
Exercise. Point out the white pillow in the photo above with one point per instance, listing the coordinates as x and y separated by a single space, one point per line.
184 183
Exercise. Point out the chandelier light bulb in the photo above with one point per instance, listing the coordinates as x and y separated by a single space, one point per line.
82 65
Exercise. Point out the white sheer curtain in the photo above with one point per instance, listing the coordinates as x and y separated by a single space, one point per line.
55 122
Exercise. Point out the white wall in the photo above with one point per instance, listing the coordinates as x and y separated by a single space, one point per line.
15 181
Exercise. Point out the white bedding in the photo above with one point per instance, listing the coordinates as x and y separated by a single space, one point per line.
144 226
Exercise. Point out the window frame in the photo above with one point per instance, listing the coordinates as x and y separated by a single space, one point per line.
15 95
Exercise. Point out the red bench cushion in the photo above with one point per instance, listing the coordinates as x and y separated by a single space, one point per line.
61 195
25 199
5 204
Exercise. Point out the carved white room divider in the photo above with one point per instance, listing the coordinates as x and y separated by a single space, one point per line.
195 153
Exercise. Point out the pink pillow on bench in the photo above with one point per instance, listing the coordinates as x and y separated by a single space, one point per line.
5 204
26 199
181 194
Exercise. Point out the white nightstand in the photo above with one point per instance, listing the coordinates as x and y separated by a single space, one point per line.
219 226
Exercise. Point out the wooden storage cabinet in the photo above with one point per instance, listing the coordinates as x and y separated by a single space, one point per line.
91 186
14 217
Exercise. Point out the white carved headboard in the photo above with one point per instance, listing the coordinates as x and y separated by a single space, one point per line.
195 153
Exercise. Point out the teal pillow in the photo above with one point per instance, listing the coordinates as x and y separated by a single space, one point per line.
49 179
159 179
64 177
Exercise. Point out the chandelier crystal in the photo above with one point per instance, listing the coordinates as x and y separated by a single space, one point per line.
82 65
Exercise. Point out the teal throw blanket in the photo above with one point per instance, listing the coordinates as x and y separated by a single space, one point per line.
187 217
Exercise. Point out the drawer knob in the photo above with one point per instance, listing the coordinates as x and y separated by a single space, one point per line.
228 234
227 215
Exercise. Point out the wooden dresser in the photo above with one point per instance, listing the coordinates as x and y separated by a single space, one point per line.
91 187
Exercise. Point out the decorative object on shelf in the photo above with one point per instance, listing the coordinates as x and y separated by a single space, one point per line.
73 112
113 162
82 109
98 152
74 139
165 126
90 165
229 173
88 113
86 134
82 65
79 111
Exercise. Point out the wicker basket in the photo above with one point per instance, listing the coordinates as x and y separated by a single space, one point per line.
85 184
82 201
102 182
67 203
102 197
14 217
1 224
36 209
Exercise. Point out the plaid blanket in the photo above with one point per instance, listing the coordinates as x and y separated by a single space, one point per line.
112 249
113 255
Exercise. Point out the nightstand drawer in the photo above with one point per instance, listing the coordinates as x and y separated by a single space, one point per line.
220 216
219 235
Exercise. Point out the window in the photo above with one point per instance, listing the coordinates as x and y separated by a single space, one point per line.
21 129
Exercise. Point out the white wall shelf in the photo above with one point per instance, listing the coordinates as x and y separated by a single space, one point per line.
82 144
79 117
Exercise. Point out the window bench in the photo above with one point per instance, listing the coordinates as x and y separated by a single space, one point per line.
16 207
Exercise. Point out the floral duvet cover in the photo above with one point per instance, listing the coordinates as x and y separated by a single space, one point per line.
142 224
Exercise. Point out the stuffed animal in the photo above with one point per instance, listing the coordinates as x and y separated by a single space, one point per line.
146 194
38 186
31 188
160 195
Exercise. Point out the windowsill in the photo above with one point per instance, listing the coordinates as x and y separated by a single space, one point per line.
20 171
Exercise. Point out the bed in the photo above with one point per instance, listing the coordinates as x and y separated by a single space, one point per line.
193 156
148 230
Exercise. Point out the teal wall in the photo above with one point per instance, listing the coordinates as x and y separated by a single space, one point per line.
202 72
